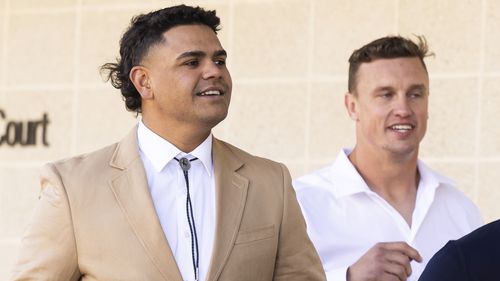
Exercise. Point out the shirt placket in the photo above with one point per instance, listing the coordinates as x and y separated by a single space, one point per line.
403 227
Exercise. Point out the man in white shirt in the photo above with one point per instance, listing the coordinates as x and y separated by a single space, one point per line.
170 201
378 213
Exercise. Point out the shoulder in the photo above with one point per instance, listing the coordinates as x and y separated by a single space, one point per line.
252 162
446 264
476 254
452 195
118 155
337 179
315 191
79 168
457 202
81 163
76 175
314 181
448 197
482 240
481 247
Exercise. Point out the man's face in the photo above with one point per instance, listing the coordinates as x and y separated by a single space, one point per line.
188 78
390 108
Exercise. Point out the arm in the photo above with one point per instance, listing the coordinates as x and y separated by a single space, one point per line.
48 248
297 259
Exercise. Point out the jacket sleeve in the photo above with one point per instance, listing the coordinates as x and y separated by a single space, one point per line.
48 248
297 258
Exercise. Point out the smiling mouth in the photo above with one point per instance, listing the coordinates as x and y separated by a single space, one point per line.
210 93
402 128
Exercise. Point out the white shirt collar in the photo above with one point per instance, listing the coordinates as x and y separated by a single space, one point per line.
160 151
344 175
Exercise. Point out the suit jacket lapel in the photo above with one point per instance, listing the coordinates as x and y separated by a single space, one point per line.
131 191
231 193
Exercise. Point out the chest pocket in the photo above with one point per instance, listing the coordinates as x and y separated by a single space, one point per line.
251 235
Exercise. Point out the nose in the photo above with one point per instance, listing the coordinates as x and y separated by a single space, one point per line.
402 107
212 70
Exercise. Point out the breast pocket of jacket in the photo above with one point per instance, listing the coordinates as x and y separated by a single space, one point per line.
255 235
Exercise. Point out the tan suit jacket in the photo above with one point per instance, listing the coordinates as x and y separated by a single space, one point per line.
96 221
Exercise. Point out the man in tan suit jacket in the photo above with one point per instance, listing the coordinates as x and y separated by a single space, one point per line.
96 218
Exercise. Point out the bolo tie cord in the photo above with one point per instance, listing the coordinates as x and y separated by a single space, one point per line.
185 166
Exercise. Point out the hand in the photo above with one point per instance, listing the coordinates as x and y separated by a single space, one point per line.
384 262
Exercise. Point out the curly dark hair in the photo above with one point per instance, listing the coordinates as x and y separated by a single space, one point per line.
145 31
388 47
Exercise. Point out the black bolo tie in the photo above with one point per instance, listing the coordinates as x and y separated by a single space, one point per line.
185 166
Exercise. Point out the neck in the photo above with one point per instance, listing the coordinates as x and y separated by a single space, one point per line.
382 168
393 177
185 138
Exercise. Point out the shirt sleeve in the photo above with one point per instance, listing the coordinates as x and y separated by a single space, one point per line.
48 248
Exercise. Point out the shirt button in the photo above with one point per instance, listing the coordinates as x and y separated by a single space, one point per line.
187 234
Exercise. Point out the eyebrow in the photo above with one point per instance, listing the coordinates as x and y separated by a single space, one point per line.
383 88
418 87
220 53
412 87
199 54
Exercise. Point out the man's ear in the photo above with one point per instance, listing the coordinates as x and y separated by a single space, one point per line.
140 78
351 104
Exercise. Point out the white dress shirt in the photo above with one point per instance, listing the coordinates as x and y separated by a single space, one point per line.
345 218
168 189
